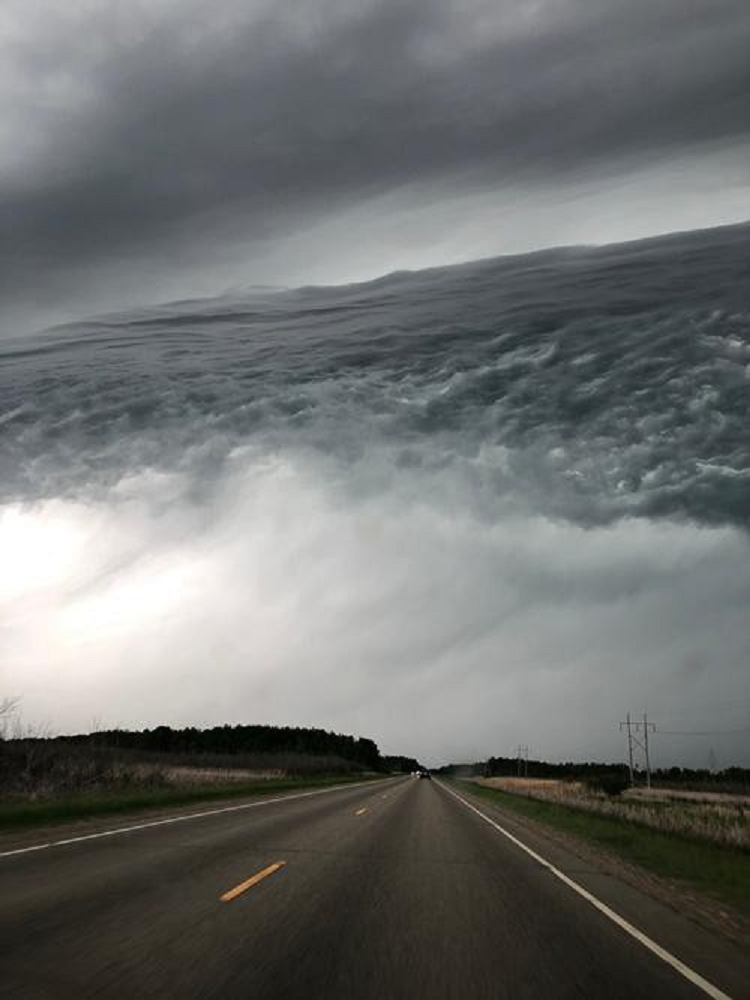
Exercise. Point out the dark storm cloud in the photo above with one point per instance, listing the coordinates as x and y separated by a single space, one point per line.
452 510
587 385
159 135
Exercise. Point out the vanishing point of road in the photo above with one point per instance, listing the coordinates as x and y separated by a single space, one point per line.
390 889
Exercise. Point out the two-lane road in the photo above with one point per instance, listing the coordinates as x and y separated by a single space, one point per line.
393 889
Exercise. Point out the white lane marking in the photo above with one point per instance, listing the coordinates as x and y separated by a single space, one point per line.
697 980
177 819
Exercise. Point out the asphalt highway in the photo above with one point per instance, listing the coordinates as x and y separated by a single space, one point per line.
392 889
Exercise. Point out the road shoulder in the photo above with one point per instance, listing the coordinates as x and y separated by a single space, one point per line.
700 934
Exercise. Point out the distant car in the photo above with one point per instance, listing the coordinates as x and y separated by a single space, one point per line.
425 774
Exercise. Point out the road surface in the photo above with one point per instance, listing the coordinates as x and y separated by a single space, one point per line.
393 889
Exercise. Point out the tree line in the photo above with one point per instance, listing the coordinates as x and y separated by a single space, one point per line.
234 740
736 777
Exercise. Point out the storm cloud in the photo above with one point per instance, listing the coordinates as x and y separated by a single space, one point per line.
451 510
170 148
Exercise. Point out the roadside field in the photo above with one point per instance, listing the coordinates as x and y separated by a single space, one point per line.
715 817
16 815
689 858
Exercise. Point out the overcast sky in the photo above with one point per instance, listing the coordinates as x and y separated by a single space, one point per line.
169 148
272 516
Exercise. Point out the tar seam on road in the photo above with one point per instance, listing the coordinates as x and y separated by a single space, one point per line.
176 819
227 897
695 978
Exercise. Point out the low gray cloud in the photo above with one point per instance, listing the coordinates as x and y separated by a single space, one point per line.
166 139
395 615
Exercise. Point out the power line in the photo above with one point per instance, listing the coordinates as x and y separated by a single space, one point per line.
701 732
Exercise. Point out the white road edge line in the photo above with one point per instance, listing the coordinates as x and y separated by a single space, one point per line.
697 980
178 819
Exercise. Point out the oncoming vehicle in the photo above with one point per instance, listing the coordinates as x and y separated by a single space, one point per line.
424 774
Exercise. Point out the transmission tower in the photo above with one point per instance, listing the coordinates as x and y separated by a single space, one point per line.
638 737
522 758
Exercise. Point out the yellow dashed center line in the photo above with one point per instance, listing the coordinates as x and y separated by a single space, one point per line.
249 883
360 811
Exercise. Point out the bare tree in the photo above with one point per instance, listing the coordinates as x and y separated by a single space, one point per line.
8 712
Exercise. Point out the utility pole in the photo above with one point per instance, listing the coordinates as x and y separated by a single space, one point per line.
523 759
646 725
627 724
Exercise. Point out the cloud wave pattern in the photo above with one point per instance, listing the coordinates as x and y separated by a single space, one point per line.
589 384
359 506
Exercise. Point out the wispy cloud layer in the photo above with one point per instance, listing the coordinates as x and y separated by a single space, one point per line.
396 617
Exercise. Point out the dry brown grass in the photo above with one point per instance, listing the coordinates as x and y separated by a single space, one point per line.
544 787
210 775
677 795
35 770
722 819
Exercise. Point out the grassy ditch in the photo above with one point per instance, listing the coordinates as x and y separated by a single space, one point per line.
15 815
719 871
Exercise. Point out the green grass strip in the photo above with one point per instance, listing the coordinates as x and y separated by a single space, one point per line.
713 869
18 815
